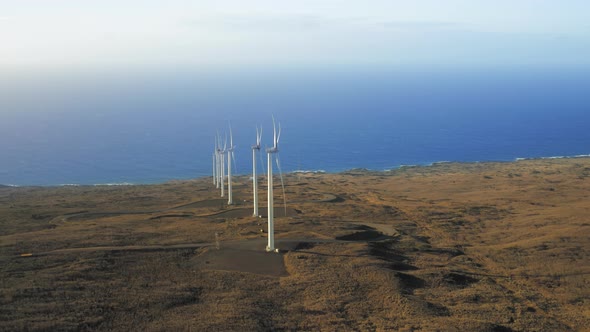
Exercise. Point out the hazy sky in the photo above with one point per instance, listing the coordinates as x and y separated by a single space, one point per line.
197 33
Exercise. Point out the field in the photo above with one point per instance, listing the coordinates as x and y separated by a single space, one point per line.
449 247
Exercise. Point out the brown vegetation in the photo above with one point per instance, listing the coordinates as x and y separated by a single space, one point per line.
451 247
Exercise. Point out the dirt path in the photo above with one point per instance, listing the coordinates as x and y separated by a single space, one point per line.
83 215
120 248
250 244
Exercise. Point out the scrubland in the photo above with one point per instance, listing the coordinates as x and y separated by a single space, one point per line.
449 247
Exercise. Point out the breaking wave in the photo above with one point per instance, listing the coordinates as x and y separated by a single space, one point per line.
553 157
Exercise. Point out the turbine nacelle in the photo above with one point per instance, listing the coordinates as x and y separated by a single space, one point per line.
258 139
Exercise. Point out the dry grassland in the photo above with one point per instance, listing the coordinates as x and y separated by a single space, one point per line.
451 247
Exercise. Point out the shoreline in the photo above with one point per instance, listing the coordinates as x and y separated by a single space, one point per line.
319 171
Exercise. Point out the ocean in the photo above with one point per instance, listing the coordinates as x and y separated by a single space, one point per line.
138 127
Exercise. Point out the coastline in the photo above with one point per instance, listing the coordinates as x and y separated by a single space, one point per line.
320 171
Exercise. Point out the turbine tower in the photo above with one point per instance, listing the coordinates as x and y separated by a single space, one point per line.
218 160
215 163
270 151
213 167
255 148
230 156
222 156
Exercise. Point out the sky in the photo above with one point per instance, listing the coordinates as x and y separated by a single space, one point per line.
67 34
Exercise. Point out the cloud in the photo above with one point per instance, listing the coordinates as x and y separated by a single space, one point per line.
258 22
422 25
273 23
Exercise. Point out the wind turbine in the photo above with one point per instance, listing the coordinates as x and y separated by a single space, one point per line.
230 156
218 160
222 156
215 163
213 168
255 148
270 151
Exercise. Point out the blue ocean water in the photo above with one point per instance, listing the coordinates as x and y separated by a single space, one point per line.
153 127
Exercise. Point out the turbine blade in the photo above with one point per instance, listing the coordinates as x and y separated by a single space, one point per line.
231 137
279 136
274 131
256 135
282 183
234 159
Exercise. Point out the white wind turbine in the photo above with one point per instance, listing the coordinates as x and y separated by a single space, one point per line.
255 148
222 156
270 151
215 163
218 160
230 156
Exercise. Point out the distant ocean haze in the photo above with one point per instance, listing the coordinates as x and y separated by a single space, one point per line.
153 128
